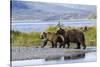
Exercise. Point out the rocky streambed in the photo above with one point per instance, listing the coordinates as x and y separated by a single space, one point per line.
28 53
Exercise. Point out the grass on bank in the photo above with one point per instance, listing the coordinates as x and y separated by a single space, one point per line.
33 38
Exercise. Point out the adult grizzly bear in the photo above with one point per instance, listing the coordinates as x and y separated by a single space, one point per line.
74 36
54 38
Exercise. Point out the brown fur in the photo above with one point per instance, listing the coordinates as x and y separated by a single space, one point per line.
74 36
53 38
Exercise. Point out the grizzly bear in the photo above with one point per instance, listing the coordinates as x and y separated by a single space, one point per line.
53 37
73 36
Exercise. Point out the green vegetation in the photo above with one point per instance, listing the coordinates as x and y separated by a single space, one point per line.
51 28
90 36
33 38
25 39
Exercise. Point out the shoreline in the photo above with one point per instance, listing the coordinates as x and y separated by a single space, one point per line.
28 53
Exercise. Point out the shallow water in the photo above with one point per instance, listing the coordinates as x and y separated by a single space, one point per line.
87 57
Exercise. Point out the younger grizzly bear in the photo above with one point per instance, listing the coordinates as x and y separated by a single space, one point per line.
54 38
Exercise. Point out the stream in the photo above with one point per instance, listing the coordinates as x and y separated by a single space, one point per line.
79 58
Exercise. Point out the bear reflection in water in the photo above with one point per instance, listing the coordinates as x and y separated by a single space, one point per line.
78 56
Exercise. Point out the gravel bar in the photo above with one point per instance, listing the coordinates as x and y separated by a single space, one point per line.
28 53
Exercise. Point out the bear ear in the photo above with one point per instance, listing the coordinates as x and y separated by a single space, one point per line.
44 32
48 32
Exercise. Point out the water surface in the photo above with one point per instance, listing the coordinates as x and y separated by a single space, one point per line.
41 26
88 57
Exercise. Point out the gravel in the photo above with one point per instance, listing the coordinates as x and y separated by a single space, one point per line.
26 53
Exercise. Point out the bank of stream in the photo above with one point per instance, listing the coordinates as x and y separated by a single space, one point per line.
28 56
